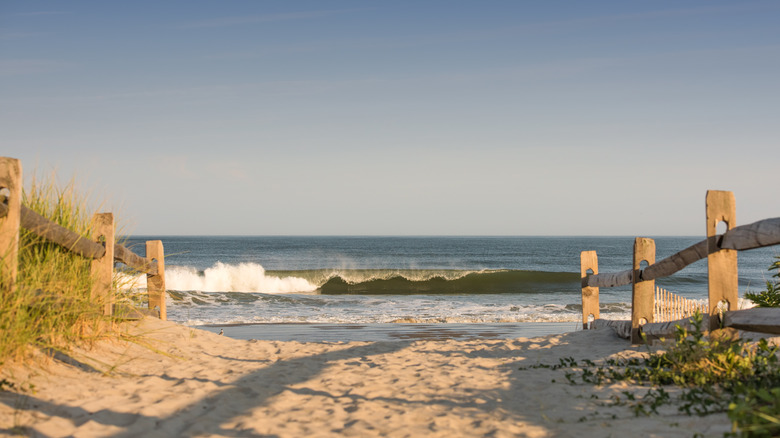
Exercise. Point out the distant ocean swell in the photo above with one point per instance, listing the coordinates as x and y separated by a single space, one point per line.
252 277
482 282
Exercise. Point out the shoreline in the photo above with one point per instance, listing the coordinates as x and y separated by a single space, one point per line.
353 332
181 381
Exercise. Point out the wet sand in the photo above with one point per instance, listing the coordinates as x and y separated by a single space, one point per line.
313 332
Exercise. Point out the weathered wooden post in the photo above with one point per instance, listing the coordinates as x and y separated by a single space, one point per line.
722 276
10 180
103 267
590 295
155 284
642 291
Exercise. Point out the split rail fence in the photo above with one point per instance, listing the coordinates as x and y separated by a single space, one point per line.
650 306
103 251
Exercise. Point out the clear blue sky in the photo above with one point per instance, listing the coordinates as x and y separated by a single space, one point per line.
399 117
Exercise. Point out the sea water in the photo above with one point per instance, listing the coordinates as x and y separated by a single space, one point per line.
468 283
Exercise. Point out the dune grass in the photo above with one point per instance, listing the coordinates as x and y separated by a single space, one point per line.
50 306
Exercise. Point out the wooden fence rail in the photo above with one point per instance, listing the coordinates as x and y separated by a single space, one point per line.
720 251
103 252
75 242
756 235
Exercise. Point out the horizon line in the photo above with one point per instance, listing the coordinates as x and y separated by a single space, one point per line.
410 235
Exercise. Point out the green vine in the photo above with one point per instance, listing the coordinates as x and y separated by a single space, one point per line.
716 373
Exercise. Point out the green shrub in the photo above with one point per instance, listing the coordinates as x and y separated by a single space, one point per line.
771 296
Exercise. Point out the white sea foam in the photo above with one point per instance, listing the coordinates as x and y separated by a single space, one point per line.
244 277
226 308
126 281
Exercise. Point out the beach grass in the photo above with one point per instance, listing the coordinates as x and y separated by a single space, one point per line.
50 306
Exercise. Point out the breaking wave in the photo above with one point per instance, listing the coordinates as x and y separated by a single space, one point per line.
252 277
244 277
451 282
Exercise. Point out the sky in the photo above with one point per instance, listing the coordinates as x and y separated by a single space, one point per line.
398 117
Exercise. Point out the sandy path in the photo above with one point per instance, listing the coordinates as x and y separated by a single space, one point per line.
210 385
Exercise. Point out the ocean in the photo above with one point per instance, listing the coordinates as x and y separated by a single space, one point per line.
375 288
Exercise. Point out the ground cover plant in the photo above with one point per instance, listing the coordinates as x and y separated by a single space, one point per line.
50 306
717 373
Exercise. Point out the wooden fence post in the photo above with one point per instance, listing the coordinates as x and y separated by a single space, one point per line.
155 284
103 267
590 295
642 291
722 276
11 180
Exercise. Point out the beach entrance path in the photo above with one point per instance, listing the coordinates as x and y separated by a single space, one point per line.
179 381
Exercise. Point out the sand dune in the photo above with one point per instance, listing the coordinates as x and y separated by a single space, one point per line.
202 384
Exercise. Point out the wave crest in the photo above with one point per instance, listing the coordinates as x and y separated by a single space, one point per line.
244 277
451 282
252 277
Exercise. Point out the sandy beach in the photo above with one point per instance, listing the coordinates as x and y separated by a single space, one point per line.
179 381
